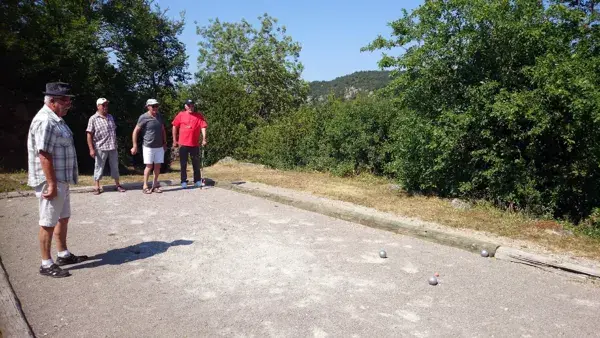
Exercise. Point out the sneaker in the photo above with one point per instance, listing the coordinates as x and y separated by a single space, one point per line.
198 184
70 259
54 271
184 185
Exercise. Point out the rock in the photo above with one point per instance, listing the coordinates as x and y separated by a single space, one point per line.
461 205
395 187
552 232
227 159
567 233
559 232
350 92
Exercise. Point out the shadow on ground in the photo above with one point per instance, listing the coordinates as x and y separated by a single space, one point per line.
129 254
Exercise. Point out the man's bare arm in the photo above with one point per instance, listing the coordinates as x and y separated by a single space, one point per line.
175 136
134 137
90 143
48 168
136 131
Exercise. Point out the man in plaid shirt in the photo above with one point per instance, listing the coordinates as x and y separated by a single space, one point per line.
52 168
102 142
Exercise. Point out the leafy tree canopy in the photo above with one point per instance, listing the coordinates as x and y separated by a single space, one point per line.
124 50
264 59
504 95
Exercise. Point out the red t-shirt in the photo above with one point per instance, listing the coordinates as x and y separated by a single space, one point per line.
190 125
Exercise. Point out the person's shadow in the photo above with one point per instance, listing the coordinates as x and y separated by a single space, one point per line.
129 254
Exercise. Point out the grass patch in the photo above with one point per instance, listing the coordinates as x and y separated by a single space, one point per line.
15 181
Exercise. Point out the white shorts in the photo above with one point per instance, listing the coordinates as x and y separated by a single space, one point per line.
57 208
153 155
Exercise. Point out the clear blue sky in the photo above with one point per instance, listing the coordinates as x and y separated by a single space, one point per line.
331 32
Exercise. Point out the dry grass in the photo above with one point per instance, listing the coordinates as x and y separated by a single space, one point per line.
376 193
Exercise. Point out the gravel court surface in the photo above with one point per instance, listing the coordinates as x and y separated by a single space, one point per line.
219 263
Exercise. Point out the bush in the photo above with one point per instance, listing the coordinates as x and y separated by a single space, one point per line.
346 138
229 111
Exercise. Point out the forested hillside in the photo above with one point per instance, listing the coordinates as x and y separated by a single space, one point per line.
348 86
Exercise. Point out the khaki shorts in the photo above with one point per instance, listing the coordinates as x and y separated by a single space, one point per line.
57 208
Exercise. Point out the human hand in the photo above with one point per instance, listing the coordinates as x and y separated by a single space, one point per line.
204 142
50 192
92 153
134 150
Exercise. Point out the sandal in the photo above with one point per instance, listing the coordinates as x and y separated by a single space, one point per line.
157 190
147 191
97 191
120 188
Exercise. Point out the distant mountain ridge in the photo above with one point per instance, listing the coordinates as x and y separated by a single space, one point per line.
348 86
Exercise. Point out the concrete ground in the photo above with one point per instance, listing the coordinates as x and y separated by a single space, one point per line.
219 263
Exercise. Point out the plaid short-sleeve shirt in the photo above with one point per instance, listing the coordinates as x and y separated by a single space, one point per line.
104 130
50 133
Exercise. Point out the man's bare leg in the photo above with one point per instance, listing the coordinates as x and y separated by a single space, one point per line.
147 171
49 268
156 173
60 234
64 256
45 238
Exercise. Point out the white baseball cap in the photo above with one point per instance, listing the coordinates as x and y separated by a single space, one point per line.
151 102
101 101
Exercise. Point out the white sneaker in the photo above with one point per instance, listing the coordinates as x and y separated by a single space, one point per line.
199 184
184 185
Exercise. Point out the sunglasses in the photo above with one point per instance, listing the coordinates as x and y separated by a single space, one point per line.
154 106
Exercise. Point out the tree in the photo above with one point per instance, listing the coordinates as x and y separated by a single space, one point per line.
230 112
588 6
504 96
265 60
145 44
42 42
125 50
